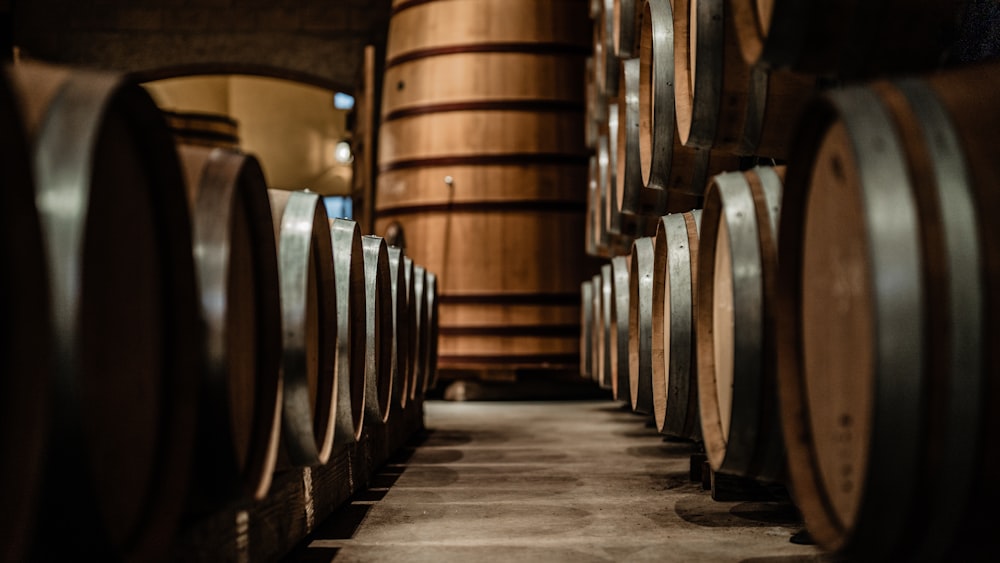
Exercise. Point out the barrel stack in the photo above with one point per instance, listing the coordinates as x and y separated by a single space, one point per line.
810 307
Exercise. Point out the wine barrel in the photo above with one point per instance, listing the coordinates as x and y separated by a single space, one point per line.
421 316
378 329
675 279
482 139
204 129
625 23
586 328
663 160
401 327
852 39
349 273
125 334
607 310
618 327
640 326
734 320
633 196
309 313
413 327
761 108
433 332
606 70
237 267
25 336
597 331
888 338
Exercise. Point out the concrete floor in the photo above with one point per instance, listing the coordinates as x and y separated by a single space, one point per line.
575 482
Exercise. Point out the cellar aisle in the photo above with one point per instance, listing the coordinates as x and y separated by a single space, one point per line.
574 481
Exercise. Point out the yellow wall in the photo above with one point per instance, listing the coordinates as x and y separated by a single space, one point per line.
291 127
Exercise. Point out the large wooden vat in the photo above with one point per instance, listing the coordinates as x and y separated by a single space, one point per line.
482 161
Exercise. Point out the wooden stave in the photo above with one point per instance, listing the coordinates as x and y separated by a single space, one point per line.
303 236
607 73
675 384
640 347
349 273
753 444
203 129
941 108
57 102
378 330
25 336
586 328
753 122
619 336
401 327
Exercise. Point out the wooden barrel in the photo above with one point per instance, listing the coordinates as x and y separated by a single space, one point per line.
421 317
633 196
606 70
237 266
852 39
675 279
349 273
126 337
309 313
625 23
618 327
203 129
607 310
378 329
737 275
401 327
597 332
888 338
25 336
663 160
413 327
761 108
433 332
640 326
586 328
482 139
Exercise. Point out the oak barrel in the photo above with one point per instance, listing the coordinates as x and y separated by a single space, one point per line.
413 328
664 161
236 258
433 334
401 327
378 330
126 337
597 332
203 129
618 328
349 273
607 311
25 335
421 317
586 328
734 323
852 38
309 324
675 279
482 151
640 326
888 338
722 102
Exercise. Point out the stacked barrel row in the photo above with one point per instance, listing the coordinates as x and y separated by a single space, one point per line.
173 331
830 324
